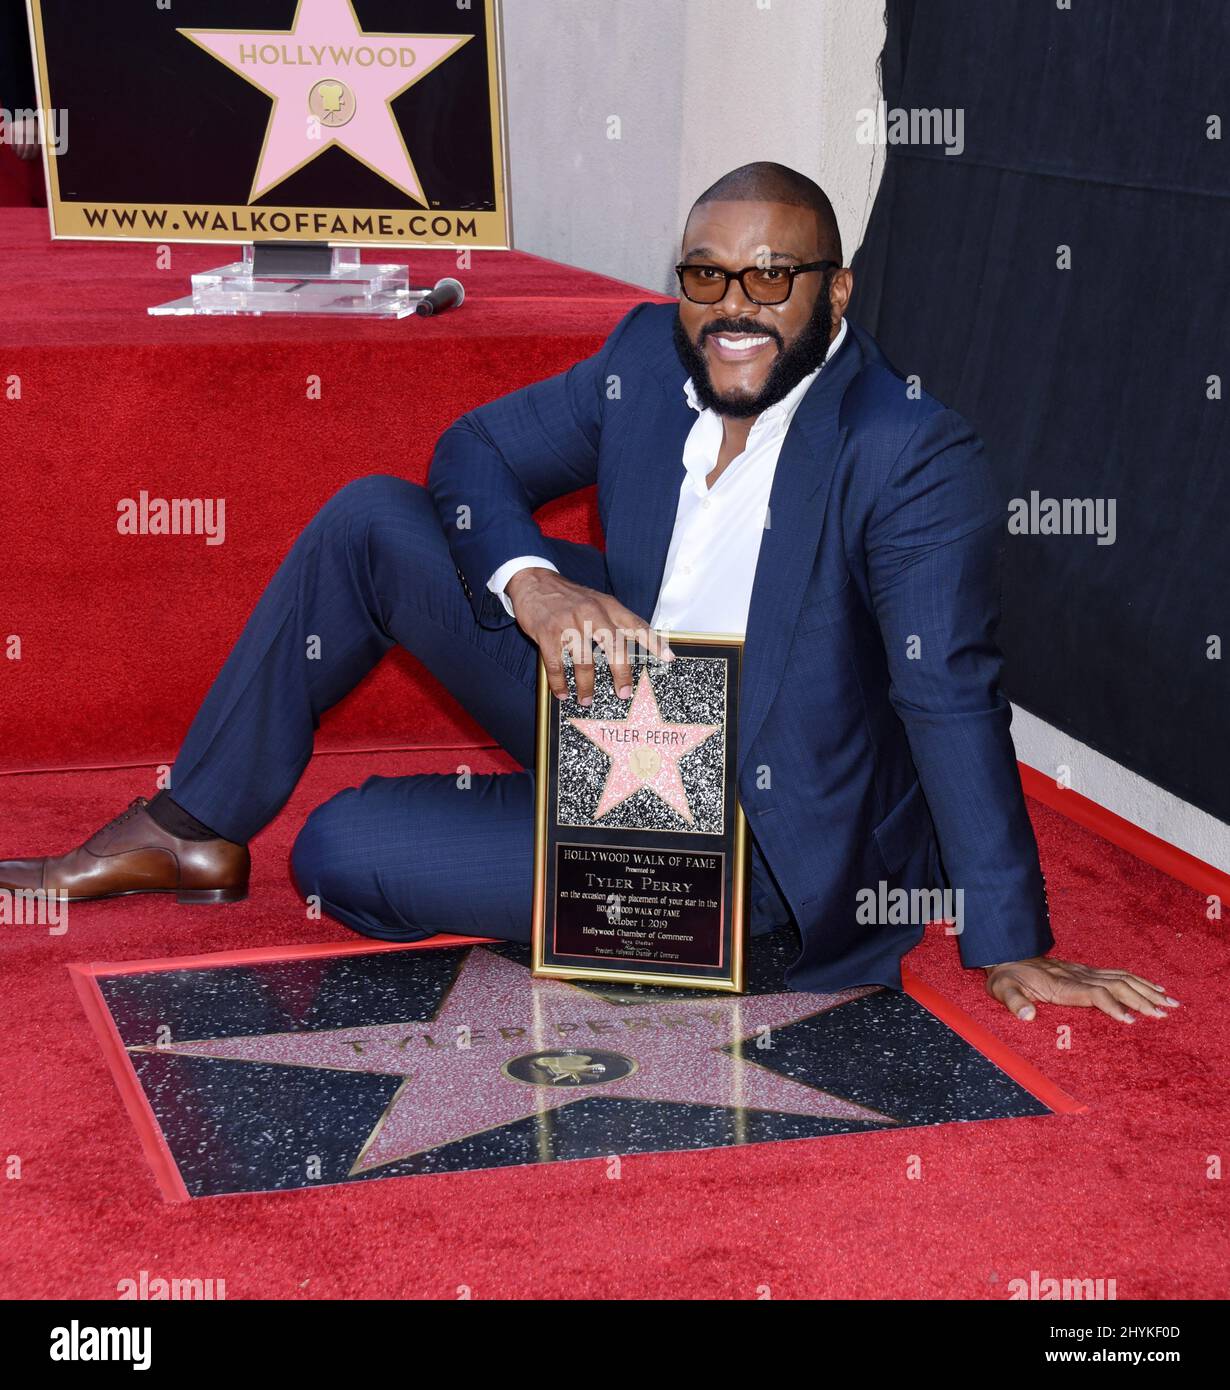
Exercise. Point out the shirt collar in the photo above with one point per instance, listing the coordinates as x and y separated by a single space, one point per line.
788 403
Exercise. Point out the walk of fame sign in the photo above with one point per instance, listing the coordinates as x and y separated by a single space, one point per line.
641 849
356 122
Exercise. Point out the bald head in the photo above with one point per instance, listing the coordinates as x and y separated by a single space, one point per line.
765 182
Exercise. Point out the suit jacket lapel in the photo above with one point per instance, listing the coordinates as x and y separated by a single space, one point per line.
797 504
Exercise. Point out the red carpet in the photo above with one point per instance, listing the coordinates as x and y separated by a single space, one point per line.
21 181
1121 1191
114 402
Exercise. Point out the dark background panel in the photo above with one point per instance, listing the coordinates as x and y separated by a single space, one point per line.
153 118
1086 129
16 72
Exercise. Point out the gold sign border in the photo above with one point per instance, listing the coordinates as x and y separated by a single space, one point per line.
63 214
735 982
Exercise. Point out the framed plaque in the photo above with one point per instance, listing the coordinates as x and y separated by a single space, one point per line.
640 845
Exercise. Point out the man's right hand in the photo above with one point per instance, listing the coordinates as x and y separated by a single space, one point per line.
558 615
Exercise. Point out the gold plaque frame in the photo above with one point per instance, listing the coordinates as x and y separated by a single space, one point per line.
735 843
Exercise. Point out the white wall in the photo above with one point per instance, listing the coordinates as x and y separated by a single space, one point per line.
1092 774
700 87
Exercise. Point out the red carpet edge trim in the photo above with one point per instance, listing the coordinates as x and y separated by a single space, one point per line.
153 1145
257 955
344 752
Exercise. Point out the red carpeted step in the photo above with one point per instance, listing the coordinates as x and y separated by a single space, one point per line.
121 634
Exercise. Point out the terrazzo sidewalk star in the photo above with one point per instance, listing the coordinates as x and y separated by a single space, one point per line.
555 1047
280 1074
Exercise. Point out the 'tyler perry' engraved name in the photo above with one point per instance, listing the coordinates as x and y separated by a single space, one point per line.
476 1038
648 882
616 733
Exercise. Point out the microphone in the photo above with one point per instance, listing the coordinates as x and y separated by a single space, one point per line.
446 295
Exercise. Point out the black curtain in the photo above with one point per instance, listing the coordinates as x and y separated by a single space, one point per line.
16 64
1087 128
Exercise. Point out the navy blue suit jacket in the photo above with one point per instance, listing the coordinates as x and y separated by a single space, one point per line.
873 736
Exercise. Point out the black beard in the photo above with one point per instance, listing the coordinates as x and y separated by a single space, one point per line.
792 364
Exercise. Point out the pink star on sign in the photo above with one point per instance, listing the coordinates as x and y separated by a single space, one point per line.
331 84
644 752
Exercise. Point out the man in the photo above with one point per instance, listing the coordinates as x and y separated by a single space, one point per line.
761 469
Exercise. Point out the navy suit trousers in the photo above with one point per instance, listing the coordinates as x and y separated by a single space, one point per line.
398 858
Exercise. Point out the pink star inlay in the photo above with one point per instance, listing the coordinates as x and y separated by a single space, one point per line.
644 751
331 84
496 1017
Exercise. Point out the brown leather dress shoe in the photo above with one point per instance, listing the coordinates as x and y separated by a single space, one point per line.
133 854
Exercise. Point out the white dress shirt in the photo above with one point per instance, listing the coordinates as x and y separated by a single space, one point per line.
711 562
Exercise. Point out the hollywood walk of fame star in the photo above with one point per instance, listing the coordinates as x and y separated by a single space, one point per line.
503 1047
329 78
644 751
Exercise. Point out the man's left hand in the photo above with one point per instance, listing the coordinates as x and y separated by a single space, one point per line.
1022 984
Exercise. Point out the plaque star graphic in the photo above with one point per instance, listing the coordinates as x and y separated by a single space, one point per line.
331 84
644 751
504 1047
